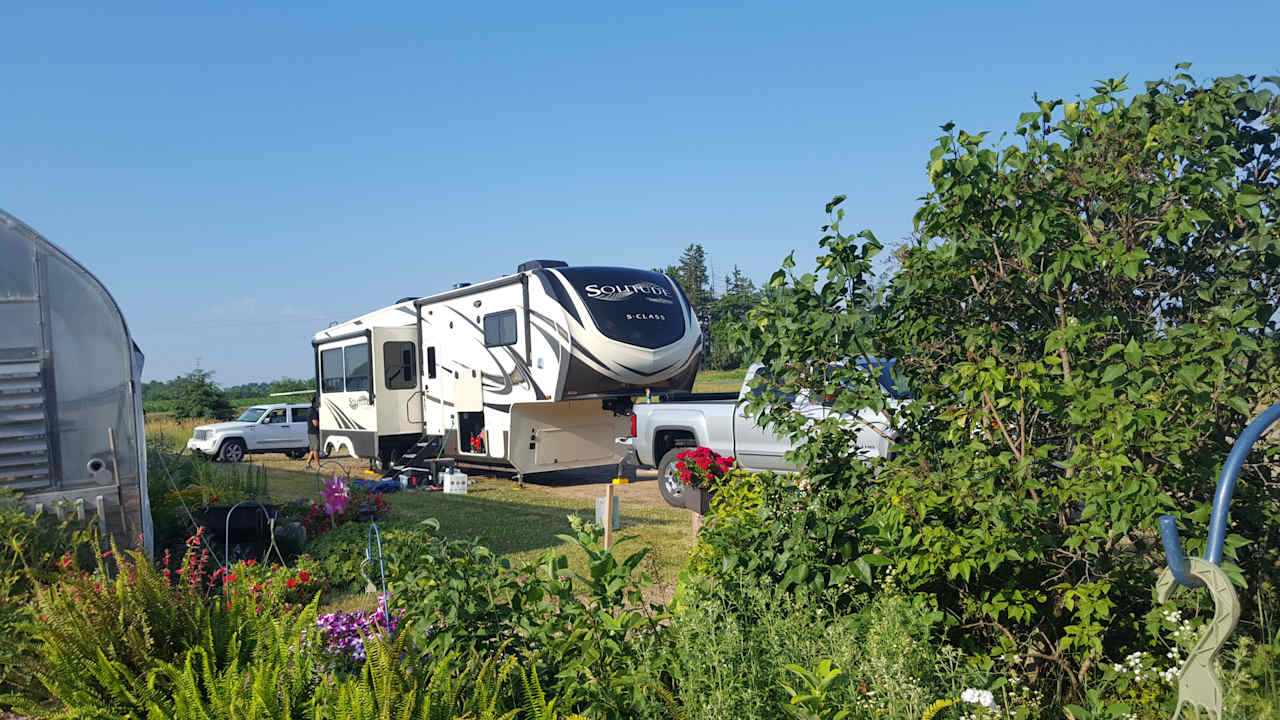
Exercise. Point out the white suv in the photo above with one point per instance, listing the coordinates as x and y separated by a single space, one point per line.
260 429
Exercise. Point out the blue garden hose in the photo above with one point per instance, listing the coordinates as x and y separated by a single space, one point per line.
1221 503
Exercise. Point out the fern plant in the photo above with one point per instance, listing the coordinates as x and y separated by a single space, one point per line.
277 681
102 635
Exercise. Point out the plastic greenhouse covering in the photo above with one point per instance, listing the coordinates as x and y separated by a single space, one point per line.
70 375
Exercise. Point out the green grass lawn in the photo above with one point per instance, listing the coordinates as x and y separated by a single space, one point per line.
520 524
719 380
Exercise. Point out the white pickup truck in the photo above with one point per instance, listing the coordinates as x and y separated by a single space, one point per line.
717 421
278 428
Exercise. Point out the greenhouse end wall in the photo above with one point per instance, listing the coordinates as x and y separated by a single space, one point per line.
70 377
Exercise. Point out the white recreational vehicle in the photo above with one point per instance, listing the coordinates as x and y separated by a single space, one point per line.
534 371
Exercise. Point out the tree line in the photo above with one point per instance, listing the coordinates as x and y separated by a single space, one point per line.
719 312
196 395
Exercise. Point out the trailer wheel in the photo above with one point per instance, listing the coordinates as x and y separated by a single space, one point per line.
669 481
232 450
328 449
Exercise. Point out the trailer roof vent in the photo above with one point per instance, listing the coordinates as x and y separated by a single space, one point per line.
460 285
405 299
538 264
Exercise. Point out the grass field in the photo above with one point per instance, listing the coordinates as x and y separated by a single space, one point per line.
719 380
518 523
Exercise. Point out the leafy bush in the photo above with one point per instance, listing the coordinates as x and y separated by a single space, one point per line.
1086 320
585 639
727 654
804 545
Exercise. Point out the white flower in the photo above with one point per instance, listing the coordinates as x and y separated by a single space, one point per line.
978 697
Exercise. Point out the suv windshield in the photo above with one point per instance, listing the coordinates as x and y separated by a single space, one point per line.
251 415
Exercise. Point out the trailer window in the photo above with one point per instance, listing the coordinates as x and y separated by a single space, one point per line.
398 365
331 370
431 362
500 328
357 359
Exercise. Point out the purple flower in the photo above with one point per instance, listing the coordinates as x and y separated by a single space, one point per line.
341 631
336 496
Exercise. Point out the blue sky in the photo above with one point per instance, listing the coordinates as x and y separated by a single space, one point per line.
238 175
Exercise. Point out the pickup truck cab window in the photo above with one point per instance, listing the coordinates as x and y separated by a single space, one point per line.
766 384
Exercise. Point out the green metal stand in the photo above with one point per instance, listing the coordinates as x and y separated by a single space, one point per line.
1198 684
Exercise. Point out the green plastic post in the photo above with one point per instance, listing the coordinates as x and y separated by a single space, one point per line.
1198 684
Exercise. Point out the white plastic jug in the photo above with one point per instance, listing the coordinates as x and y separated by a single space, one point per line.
455 482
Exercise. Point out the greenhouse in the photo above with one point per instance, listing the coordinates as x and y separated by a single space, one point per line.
71 432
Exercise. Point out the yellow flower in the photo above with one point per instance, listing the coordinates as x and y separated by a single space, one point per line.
937 707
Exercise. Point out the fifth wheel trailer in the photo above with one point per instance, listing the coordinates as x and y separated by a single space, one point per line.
534 371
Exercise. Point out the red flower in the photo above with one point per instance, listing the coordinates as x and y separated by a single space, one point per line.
250 562
292 583
106 554
303 576
231 577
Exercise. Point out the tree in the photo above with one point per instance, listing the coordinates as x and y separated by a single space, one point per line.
196 396
291 385
1086 321
740 296
691 273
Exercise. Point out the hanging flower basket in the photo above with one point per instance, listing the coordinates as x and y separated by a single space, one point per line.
701 469
698 499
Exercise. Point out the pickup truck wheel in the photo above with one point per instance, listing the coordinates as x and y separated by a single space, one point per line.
232 450
669 481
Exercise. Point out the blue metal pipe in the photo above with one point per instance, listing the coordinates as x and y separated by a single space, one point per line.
1227 482
1221 502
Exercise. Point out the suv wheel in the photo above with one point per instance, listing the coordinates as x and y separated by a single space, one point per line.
232 450
669 481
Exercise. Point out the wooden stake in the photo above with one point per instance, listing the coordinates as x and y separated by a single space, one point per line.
115 471
608 516
698 521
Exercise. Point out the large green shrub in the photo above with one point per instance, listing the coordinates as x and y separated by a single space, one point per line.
1086 319
585 636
